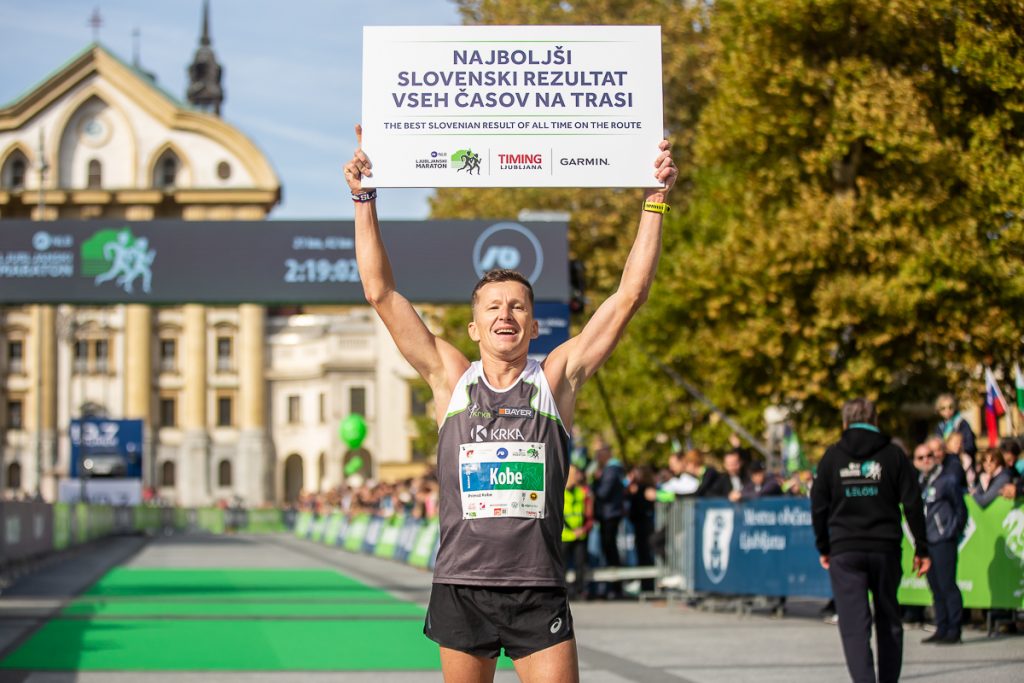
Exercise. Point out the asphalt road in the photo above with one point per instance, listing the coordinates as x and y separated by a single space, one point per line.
620 641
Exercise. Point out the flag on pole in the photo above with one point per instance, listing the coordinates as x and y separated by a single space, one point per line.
793 457
1018 383
995 408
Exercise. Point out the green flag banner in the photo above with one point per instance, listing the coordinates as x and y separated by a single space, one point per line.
990 570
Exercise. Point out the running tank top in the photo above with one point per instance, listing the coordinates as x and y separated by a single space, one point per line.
502 463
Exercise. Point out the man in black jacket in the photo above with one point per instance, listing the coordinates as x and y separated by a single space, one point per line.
734 478
944 486
855 509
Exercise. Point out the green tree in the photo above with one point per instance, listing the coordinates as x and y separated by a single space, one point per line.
854 225
848 217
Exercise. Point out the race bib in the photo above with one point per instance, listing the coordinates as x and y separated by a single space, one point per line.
502 479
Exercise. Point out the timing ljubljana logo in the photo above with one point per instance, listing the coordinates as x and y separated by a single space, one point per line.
120 256
718 523
510 246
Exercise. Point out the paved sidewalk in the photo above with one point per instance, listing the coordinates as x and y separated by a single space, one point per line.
618 642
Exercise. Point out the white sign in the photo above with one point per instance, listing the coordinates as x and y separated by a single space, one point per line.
512 106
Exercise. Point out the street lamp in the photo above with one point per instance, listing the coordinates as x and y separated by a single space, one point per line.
41 216
87 466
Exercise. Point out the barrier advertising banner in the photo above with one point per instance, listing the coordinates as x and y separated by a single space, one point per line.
990 569
512 106
762 547
115 491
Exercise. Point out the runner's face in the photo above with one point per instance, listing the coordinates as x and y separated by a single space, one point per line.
503 319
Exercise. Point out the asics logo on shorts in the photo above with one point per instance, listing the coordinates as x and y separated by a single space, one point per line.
556 625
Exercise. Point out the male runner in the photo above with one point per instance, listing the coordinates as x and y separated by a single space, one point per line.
504 421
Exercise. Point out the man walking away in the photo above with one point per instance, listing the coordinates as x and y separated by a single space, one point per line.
855 509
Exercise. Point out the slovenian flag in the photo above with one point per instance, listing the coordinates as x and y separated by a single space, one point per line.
995 408
1018 382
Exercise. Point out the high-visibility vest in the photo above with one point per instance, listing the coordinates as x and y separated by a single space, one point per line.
575 510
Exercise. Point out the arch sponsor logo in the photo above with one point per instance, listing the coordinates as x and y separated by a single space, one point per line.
120 257
511 246
717 537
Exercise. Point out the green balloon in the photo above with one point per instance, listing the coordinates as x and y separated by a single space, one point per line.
354 465
353 431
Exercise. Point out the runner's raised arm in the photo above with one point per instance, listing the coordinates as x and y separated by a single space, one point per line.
437 361
575 361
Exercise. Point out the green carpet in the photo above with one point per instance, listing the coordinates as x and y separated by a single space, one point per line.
230 620
226 645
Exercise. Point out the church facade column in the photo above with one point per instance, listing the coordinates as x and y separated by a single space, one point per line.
254 459
193 472
39 476
138 381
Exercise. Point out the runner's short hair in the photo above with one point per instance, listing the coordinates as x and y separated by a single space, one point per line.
503 275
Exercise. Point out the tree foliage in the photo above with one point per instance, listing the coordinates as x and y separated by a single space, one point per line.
848 219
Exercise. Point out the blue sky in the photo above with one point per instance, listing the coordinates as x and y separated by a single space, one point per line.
292 74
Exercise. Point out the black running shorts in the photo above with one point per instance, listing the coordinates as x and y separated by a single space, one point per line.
480 621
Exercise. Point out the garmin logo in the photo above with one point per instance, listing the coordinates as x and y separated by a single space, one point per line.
584 161
508 245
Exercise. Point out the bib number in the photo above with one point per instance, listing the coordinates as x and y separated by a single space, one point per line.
502 479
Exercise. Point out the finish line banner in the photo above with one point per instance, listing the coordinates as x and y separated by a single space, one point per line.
512 106
307 262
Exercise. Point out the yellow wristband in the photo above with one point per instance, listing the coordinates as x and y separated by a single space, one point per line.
657 207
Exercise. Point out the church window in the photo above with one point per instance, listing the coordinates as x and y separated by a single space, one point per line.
15 171
168 171
95 175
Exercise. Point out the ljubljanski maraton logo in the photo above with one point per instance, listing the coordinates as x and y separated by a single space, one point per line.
718 523
466 160
510 246
433 160
120 256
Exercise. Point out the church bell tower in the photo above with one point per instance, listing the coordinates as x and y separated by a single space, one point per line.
204 74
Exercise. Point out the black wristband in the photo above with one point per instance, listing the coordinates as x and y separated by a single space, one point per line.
367 196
